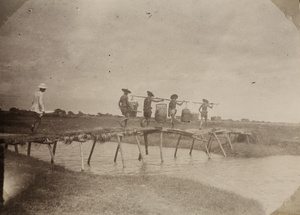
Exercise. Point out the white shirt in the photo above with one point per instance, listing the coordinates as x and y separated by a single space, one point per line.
37 103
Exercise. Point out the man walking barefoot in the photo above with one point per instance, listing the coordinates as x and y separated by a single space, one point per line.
148 108
125 107
203 111
38 107
172 108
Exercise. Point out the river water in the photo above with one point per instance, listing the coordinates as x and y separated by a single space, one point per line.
270 180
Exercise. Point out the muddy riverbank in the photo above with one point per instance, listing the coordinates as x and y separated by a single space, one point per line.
42 188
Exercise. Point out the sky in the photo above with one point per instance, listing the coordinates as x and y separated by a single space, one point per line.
242 54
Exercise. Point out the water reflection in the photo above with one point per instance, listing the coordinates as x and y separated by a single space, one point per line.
269 180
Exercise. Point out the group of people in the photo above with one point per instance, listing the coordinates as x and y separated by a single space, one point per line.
147 109
38 108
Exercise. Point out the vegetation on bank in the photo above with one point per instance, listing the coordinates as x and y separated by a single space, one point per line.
52 189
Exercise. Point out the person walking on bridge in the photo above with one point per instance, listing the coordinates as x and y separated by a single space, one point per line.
148 109
172 108
125 107
203 111
38 107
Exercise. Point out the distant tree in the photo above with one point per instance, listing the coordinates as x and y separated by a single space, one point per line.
57 111
70 113
14 110
100 114
60 112
80 113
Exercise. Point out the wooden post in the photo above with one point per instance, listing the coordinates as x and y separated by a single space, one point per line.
146 141
51 152
229 141
6 146
160 147
192 146
179 138
209 143
92 150
207 151
257 139
81 155
29 148
120 147
202 136
220 144
54 147
235 137
116 154
247 136
139 146
203 141
16 148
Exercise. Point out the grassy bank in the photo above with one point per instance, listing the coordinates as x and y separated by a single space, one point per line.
52 189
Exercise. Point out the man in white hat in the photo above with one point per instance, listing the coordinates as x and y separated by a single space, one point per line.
38 107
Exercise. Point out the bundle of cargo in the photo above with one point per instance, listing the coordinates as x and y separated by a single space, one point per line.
161 113
133 108
186 115
195 116
215 118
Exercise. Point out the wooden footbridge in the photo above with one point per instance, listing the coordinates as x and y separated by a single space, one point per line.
106 134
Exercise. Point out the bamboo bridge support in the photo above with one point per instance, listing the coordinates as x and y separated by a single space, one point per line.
202 139
161 147
146 142
179 138
16 148
51 152
229 140
29 148
141 157
219 144
193 142
199 137
81 155
119 137
214 135
92 150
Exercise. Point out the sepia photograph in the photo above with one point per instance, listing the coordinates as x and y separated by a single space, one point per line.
150 107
